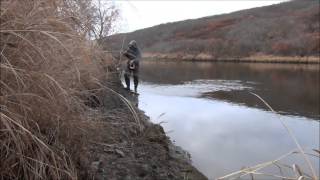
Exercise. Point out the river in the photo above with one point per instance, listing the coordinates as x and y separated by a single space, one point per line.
208 110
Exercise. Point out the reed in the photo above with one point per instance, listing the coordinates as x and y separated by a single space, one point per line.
47 71
257 170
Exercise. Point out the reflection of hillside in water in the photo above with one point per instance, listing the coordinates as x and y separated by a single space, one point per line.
242 97
289 88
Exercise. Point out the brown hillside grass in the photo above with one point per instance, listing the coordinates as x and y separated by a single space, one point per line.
47 71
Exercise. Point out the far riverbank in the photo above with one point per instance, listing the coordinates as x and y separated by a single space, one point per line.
253 59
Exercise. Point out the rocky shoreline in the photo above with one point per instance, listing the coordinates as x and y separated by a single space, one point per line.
127 150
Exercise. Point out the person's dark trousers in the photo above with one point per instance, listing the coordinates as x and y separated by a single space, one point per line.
135 80
127 79
127 75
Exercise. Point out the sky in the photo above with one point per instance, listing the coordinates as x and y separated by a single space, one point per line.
139 14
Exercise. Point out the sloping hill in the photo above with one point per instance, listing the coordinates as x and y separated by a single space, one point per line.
286 29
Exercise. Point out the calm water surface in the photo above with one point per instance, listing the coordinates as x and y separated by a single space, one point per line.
207 109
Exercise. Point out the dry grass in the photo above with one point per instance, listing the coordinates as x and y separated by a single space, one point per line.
47 71
254 58
299 173
257 171
283 59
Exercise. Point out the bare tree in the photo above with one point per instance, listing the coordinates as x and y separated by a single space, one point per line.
106 15
94 19
80 14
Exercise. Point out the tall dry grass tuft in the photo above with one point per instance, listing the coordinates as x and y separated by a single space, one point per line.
47 71
294 171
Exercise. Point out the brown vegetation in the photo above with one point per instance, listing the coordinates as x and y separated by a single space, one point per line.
284 30
48 71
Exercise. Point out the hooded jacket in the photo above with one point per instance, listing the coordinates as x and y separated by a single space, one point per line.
133 54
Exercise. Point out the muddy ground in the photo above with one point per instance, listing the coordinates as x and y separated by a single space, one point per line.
127 149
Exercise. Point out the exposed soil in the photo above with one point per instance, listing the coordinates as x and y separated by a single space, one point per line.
125 150
249 59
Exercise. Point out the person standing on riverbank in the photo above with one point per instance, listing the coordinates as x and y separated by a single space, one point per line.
133 54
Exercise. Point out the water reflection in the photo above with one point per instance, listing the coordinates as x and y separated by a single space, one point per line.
293 89
223 137
210 114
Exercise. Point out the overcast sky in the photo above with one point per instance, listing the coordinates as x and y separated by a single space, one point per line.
141 14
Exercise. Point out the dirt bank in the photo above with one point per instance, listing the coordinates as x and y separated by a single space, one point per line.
128 149
253 58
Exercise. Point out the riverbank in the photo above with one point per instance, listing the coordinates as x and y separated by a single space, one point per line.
128 146
253 59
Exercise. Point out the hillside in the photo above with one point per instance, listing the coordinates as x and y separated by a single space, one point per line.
287 29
